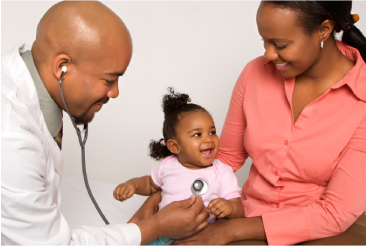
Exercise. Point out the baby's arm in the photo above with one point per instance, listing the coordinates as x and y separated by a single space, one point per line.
229 209
140 185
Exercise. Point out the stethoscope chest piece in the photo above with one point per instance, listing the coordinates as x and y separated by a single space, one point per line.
199 187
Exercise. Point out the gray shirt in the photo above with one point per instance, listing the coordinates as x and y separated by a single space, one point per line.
50 110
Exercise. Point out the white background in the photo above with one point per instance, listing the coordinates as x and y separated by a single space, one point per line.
199 48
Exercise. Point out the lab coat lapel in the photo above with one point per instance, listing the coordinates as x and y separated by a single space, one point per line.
22 78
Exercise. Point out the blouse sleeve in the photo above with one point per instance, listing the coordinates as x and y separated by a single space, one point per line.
343 201
231 149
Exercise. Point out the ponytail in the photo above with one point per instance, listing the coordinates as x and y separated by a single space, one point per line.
344 21
353 37
158 150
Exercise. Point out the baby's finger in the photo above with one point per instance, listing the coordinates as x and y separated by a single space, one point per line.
130 194
222 215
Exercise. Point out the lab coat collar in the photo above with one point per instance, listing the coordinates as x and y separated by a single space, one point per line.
51 111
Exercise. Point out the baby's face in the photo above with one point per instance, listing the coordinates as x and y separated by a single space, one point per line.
197 140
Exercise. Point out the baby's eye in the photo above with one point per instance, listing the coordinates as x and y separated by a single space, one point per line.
197 135
212 133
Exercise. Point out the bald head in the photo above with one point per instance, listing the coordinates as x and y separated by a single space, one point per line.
94 44
78 28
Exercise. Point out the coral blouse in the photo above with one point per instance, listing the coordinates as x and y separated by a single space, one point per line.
307 180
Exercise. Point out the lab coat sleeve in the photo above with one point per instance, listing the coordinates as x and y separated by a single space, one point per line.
29 213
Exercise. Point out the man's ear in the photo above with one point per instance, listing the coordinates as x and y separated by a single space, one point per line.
173 146
60 61
325 30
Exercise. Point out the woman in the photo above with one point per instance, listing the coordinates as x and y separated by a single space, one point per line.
299 113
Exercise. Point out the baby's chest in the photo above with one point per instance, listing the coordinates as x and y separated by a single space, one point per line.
176 187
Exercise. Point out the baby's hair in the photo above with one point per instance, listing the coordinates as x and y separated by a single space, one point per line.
174 106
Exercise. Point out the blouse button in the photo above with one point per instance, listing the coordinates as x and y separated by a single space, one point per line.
277 205
285 142
276 173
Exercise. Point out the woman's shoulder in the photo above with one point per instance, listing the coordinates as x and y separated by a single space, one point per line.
259 66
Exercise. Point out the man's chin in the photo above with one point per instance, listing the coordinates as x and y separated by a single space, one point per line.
83 119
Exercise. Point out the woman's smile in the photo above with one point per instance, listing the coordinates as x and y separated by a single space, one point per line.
282 67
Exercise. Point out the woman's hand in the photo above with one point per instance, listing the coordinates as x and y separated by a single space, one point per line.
148 208
214 234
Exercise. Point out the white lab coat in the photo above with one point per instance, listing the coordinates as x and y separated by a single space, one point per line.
31 169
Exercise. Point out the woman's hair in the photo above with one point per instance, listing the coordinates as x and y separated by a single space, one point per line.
174 106
313 13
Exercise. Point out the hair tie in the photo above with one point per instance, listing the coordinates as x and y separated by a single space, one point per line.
355 17
163 143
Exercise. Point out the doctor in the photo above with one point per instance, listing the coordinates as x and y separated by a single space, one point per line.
95 45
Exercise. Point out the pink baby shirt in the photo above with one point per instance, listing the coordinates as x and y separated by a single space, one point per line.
175 181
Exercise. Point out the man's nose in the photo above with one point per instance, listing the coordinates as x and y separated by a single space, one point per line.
113 91
270 53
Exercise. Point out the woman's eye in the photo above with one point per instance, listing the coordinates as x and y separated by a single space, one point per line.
280 46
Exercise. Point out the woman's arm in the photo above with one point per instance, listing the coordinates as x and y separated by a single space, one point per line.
148 208
231 149
227 230
341 204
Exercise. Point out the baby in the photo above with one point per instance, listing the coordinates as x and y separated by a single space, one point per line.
188 153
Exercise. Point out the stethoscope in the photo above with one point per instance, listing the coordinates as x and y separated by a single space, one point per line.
82 144
198 187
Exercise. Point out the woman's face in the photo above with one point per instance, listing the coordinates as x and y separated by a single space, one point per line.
285 42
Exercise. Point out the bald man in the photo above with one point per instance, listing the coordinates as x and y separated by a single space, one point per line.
95 46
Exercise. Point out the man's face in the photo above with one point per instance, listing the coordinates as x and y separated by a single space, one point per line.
91 82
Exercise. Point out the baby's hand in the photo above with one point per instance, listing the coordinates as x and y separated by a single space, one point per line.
124 191
220 208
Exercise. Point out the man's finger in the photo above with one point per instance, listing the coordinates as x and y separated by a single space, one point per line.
188 202
198 206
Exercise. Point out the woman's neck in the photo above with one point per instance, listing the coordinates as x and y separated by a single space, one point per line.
331 66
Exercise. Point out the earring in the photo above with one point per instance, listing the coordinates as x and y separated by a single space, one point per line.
321 44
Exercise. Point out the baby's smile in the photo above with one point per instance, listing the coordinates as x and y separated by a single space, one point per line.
208 153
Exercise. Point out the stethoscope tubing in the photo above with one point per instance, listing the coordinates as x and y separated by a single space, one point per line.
82 143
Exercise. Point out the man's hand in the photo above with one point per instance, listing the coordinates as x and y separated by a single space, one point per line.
124 191
221 208
177 220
